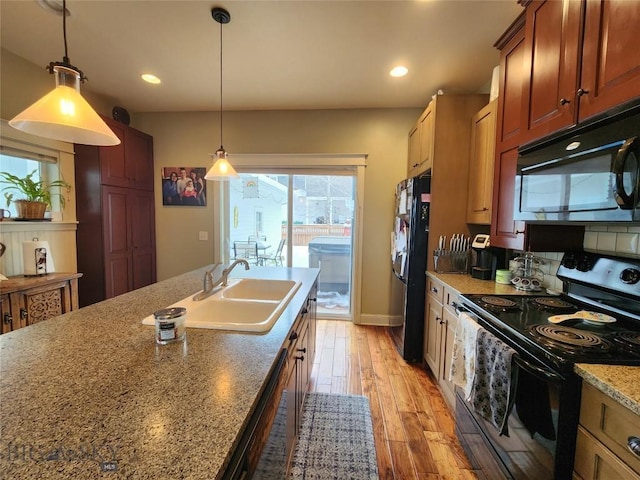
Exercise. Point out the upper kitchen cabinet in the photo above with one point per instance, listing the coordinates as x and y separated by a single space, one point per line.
129 164
421 143
116 215
581 59
505 232
481 161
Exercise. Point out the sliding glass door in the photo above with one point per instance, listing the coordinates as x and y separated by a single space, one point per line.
297 220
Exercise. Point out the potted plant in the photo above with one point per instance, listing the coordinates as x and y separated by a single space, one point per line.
33 197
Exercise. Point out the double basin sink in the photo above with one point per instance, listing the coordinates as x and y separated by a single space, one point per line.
245 305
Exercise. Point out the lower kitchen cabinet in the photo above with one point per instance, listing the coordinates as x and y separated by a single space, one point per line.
28 300
441 321
605 435
270 438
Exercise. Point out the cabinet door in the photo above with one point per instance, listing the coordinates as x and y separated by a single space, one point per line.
44 302
432 334
139 159
143 237
5 314
117 254
481 161
505 231
446 355
550 67
611 57
427 130
414 151
113 167
510 98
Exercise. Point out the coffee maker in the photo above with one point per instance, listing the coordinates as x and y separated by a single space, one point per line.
485 260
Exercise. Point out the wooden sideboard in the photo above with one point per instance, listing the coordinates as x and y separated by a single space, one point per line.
28 300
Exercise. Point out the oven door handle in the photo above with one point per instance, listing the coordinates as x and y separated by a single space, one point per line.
535 370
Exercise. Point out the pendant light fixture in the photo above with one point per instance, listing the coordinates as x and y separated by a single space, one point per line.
221 169
63 114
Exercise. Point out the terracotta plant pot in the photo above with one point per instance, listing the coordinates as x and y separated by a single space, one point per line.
26 209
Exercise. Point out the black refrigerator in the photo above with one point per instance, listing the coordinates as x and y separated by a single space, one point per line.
409 261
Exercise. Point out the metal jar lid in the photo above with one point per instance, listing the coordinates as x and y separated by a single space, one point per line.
169 313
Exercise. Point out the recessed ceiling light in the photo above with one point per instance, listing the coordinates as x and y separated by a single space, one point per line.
149 78
399 71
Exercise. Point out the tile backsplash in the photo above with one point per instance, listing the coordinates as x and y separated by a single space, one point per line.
617 240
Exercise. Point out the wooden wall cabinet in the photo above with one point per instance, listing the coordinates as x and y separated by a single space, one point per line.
481 162
116 215
441 321
451 116
505 231
570 78
28 300
605 429
421 142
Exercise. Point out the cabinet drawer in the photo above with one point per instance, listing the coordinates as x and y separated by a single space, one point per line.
596 462
435 288
451 299
611 423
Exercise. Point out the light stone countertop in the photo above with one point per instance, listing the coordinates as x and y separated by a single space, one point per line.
92 386
619 382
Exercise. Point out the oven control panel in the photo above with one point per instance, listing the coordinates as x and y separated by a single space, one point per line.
618 274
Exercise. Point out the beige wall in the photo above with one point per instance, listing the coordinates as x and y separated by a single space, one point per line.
188 138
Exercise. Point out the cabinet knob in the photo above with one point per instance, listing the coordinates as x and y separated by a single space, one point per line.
301 358
564 101
23 314
519 232
303 350
8 320
633 443
582 91
293 335
434 289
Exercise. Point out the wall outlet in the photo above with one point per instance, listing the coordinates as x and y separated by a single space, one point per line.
203 236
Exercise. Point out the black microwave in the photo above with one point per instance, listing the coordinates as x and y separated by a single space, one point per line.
590 174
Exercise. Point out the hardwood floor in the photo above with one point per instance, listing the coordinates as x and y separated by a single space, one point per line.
413 427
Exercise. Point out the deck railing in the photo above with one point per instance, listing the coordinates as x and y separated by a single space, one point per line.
303 234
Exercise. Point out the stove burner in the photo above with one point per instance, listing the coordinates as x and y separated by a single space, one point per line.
553 303
564 337
499 302
630 339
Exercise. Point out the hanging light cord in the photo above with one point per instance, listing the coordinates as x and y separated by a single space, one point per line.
221 142
65 59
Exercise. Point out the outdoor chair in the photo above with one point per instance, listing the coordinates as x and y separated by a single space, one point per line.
246 250
275 257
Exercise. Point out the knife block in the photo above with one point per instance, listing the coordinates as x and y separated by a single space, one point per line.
451 261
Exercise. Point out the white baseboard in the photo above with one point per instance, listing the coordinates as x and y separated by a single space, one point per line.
380 320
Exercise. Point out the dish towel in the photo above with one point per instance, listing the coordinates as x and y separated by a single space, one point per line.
463 363
491 392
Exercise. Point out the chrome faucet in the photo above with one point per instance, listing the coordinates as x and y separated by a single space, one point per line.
208 284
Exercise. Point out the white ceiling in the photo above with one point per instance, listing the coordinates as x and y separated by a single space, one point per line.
297 54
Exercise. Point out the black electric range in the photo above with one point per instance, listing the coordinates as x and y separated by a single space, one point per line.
607 286
547 391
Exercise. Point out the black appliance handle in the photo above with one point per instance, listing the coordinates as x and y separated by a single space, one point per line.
535 370
624 200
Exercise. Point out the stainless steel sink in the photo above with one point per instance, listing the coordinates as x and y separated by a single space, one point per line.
245 305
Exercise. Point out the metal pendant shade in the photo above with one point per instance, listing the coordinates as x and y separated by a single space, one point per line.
63 114
221 169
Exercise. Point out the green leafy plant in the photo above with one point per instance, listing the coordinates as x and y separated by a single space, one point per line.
31 190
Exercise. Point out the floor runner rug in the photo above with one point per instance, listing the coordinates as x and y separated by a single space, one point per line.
336 439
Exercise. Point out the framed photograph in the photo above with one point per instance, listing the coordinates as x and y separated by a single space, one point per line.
184 186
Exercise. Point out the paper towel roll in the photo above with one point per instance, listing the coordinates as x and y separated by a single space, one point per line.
33 260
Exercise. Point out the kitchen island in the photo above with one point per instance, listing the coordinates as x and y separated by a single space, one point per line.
89 394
